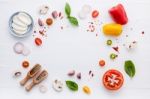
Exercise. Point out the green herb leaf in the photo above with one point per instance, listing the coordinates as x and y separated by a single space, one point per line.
72 85
129 68
73 21
67 9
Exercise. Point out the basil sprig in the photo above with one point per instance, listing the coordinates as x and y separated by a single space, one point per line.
129 68
72 85
71 19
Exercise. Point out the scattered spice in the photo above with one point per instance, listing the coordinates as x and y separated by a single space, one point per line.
143 32
49 21
86 89
116 48
91 74
42 32
91 27
79 75
59 14
17 73
25 64
71 73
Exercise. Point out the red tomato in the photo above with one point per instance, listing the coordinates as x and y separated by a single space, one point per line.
38 41
113 79
95 14
102 63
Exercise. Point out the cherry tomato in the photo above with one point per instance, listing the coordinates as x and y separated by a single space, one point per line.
38 41
95 14
25 64
101 63
113 79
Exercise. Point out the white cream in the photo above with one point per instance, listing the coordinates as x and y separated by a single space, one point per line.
19 32
21 23
17 22
18 28
24 18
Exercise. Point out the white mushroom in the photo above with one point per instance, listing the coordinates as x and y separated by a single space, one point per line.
131 45
43 9
57 85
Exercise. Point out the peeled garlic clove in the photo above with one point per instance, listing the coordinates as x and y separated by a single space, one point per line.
82 15
25 51
86 9
57 85
18 48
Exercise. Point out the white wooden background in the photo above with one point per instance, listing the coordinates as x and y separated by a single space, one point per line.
76 49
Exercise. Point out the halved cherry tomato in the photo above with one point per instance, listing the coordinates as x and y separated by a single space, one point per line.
95 14
101 63
113 79
38 41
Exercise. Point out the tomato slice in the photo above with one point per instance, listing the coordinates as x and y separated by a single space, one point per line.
113 79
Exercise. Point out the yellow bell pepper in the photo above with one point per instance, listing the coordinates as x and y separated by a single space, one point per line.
112 29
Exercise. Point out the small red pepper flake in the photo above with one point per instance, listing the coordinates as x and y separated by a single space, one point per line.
41 32
116 48
96 34
90 72
62 27
143 32
59 14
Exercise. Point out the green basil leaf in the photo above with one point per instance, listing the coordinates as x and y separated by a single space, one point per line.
73 21
129 68
72 85
67 9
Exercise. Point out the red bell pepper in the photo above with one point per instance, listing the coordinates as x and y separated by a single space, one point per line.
118 14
